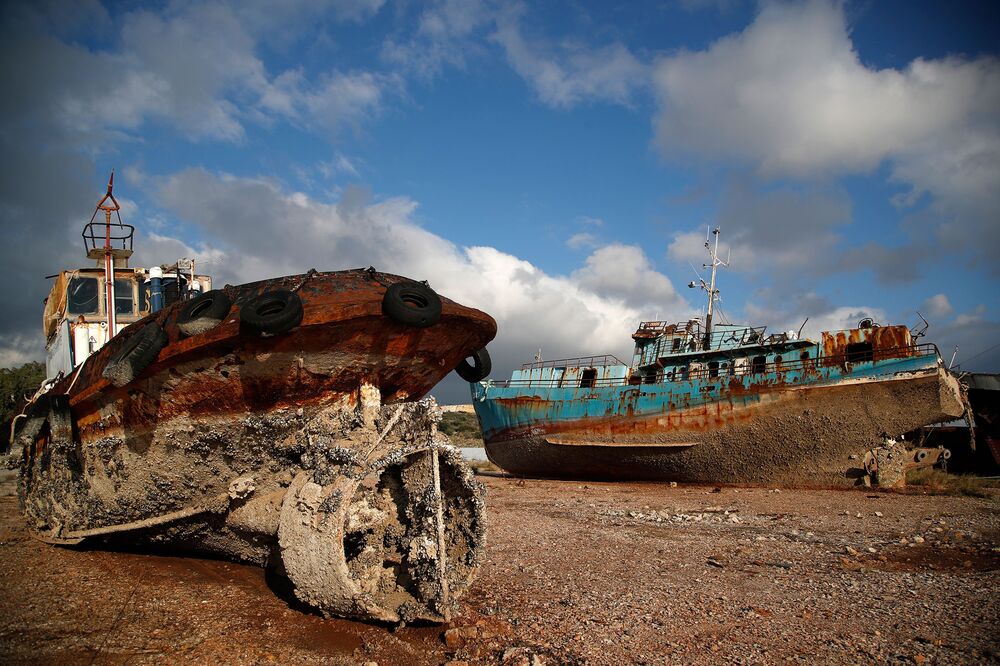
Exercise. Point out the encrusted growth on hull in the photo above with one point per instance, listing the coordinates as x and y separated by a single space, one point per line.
363 505
814 436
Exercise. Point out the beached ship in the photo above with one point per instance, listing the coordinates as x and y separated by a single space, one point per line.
279 422
722 403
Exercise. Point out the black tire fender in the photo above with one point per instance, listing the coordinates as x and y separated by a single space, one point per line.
272 312
135 354
478 370
412 304
204 312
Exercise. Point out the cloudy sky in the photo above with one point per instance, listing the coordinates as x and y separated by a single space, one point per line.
555 164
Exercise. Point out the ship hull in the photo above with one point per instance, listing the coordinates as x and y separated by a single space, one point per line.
792 432
306 445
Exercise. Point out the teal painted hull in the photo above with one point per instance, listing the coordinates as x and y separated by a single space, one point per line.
803 424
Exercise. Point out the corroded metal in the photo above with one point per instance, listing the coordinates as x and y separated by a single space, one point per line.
799 416
272 449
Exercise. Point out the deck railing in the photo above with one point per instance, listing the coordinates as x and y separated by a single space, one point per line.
579 362
701 370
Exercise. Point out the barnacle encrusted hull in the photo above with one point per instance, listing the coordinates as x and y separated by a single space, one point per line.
300 445
363 506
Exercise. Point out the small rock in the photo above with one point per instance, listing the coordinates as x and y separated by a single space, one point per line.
851 551
878 514
673 484
918 539
453 639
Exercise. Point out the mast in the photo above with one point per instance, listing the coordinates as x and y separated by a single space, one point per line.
108 252
713 293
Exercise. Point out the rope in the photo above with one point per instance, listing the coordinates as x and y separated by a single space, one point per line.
989 349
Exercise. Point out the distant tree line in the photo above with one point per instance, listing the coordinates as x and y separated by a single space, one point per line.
16 386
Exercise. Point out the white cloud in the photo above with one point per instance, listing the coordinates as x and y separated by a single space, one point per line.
582 239
790 96
774 231
972 318
445 36
569 72
624 272
593 310
193 66
937 305
835 319
355 10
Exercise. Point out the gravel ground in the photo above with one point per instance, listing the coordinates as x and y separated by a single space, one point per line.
575 573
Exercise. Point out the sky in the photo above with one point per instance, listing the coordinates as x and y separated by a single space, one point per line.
555 164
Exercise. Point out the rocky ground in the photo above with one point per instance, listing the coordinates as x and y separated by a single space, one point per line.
576 573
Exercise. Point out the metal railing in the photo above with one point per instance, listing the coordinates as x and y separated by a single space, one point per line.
579 362
706 369
95 234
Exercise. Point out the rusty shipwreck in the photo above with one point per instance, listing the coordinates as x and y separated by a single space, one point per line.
725 404
279 422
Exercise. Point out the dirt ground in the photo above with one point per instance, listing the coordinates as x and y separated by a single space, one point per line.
593 573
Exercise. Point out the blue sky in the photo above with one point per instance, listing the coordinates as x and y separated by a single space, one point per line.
555 164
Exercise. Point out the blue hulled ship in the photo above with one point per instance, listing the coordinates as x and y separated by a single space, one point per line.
724 404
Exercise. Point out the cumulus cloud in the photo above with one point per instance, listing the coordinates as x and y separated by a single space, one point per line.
834 319
580 240
570 72
624 272
592 310
192 66
790 96
773 231
445 36
937 305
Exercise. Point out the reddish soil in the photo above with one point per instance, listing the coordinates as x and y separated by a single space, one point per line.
575 573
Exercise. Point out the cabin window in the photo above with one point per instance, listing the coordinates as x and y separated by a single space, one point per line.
144 297
123 297
713 368
670 375
82 296
649 376
758 364
677 345
588 378
859 352
804 356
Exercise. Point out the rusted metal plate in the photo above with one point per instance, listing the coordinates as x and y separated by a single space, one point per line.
333 400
